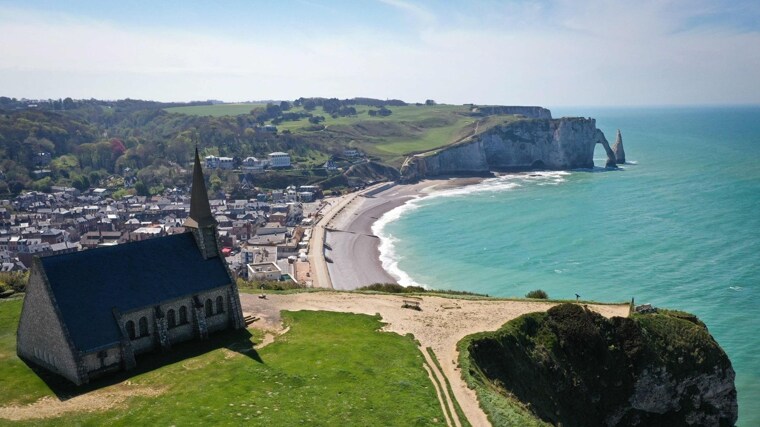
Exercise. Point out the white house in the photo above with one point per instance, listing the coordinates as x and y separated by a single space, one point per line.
279 160
264 271
213 162
251 164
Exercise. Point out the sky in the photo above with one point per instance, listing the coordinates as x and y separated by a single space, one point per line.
550 52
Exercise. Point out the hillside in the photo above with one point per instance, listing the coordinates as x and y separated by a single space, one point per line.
571 366
151 143
405 129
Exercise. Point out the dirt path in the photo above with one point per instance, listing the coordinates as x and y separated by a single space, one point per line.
440 325
100 400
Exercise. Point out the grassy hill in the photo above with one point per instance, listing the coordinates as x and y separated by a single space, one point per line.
216 110
328 369
92 140
408 129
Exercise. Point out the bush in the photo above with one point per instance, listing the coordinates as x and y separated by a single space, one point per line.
16 281
256 285
537 294
395 288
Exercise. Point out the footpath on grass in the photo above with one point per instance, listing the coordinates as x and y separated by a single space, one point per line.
440 324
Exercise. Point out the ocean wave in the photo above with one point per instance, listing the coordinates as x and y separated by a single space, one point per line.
389 259
501 183
387 247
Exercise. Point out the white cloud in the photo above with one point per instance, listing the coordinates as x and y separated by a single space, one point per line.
621 54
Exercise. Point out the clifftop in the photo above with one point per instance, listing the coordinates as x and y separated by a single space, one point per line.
516 145
574 367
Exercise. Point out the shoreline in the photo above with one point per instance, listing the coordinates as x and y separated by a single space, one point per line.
349 239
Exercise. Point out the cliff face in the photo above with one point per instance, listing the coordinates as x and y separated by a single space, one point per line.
556 144
574 367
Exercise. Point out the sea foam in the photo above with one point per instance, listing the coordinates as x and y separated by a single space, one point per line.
507 182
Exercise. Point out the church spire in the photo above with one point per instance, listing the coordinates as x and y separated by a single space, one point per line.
200 209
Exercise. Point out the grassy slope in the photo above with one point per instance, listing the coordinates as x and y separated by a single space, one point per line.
329 369
501 409
216 110
665 337
409 129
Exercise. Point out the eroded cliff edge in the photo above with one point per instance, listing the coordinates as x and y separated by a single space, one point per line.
573 367
554 144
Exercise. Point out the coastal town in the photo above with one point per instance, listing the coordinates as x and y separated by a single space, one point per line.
266 237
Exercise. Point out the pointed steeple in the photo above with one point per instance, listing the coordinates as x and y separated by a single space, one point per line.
200 209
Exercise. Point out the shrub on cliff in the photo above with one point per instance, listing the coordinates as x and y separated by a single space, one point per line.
537 294
574 367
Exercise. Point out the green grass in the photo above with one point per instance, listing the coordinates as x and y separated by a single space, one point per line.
216 110
329 369
409 129
17 382
459 412
501 409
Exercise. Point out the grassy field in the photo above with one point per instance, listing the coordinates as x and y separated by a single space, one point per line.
329 369
216 110
409 129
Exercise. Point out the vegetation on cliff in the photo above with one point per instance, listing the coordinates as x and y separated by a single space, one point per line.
572 366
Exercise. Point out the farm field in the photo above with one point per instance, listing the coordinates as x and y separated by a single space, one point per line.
328 369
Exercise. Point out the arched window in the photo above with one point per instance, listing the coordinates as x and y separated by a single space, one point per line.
219 304
209 308
182 315
143 326
131 329
171 318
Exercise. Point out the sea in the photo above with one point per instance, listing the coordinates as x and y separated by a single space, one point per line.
677 226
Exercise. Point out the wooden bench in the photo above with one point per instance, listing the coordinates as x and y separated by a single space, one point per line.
413 304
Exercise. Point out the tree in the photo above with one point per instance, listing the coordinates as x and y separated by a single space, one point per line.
273 110
69 104
284 105
141 189
80 182
43 184
429 102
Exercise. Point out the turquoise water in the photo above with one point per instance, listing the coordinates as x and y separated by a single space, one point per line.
678 228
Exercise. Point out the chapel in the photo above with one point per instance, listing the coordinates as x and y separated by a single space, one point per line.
89 313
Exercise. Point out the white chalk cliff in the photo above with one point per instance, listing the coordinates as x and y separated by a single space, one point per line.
553 144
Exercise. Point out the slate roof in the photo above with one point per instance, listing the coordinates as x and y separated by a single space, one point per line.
88 285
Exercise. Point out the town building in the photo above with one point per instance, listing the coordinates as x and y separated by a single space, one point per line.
279 160
90 313
252 164
264 271
214 162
